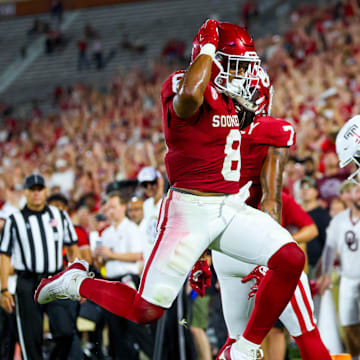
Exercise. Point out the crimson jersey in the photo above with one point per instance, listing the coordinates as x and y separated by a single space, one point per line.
265 131
204 150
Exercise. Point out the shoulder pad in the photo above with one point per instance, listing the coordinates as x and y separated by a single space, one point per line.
171 85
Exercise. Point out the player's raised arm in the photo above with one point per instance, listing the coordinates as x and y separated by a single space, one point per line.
191 94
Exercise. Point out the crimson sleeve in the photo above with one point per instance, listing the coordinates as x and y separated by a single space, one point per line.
168 91
83 239
273 131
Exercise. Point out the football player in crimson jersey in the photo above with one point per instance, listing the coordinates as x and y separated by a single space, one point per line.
264 151
297 316
205 206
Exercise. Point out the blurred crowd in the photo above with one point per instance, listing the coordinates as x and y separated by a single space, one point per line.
314 68
96 139
100 138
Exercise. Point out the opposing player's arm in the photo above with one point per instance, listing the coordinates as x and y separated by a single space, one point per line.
271 181
190 95
327 263
328 257
330 249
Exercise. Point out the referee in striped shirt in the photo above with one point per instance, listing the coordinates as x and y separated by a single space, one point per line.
34 237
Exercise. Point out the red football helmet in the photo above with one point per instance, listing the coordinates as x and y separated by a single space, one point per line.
265 88
235 53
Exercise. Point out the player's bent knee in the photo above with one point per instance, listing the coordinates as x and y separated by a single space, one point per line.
289 257
143 312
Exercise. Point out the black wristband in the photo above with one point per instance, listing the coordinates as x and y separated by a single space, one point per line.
4 290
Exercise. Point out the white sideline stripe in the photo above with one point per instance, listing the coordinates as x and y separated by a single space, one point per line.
20 332
161 222
308 295
310 316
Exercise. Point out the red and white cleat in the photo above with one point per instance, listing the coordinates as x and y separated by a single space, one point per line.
64 285
230 353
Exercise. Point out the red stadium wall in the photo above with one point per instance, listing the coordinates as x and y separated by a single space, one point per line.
40 6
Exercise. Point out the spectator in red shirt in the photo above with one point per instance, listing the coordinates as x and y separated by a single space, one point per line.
173 50
249 10
83 61
83 243
297 221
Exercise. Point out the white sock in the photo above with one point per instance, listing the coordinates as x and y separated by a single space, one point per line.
245 346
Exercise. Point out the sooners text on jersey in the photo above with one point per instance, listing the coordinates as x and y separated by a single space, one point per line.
204 150
265 131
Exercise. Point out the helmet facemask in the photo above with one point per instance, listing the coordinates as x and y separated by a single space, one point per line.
354 177
237 75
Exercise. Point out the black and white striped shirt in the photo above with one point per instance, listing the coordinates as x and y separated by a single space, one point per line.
35 239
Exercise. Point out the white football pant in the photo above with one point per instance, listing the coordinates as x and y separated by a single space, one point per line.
189 224
297 316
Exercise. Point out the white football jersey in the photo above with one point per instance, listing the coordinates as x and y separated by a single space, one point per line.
343 233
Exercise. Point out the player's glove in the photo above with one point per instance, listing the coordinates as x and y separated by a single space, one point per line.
209 33
257 274
200 277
